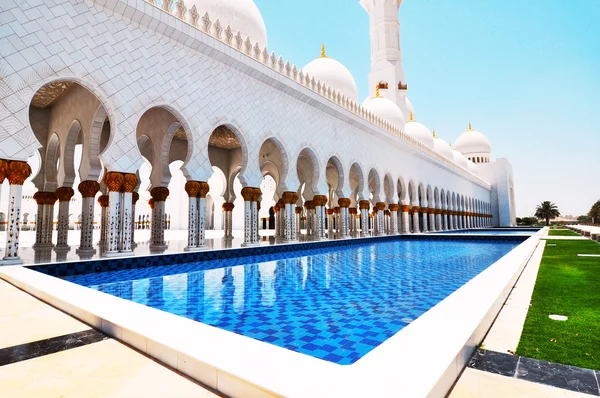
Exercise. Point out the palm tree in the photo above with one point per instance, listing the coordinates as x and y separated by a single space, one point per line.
595 213
547 211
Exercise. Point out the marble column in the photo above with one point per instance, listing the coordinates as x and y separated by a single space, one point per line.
416 227
438 220
276 215
424 213
228 220
344 226
64 195
336 220
298 212
254 207
114 182
432 224
40 199
364 206
309 219
134 199
192 188
201 216
249 224
352 213
405 219
380 206
88 190
103 202
319 202
16 172
393 218
330 213
130 181
289 229
157 239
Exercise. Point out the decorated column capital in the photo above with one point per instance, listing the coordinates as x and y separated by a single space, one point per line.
393 207
39 197
289 197
344 202
134 198
256 192
247 194
336 210
405 208
65 194
228 206
352 210
309 204
18 172
364 204
192 188
103 200
320 200
276 208
298 210
415 209
151 203
130 181
88 189
204 188
159 194
3 170
387 212
329 212
380 205
114 181
51 198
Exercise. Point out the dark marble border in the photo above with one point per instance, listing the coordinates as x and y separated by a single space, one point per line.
49 346
552 374
120 263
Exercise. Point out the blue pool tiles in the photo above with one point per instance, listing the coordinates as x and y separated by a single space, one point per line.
336 304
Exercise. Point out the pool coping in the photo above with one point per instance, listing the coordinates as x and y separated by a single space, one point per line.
419 360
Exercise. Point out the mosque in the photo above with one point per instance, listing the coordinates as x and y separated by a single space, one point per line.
175 113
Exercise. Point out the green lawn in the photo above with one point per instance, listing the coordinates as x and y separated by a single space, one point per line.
566 285
562 232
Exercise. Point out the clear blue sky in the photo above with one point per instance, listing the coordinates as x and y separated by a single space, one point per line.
525 72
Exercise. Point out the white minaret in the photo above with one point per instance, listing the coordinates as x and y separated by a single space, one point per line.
386 56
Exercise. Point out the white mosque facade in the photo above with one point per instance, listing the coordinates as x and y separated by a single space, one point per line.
176 110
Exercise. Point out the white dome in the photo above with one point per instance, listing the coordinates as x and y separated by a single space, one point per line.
334 74
240 15
473 142
442 147
460 159
386 109
419 132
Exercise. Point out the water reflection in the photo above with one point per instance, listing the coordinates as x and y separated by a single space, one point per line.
335 305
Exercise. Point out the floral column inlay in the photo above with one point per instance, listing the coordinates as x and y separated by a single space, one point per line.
103 202
201 217
247 194
364 217
16 172
393 218
416 228
228 220
193 190
114 182
380 218
344 219
157 240
130 181
64 195
88 190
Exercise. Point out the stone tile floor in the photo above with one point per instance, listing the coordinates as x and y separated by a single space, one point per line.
103 368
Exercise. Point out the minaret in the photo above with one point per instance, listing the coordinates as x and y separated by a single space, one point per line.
386 56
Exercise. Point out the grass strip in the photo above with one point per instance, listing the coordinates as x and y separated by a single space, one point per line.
566 285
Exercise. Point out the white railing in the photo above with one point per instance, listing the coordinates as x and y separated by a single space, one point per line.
252 49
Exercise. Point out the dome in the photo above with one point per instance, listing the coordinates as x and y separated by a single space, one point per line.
334 74
419 132
386 109
240 15
442 147
460 159
472 142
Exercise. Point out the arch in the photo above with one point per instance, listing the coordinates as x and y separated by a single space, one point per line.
273 161
50 163
374 185
412 193
436 198
307 168
92 169
388 188
241 141
68 162
429 196
357 182
334 174
403 196
443 200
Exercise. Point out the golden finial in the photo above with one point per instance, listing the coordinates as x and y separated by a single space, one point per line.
470 127
434 136
323 54
377 91
411 119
